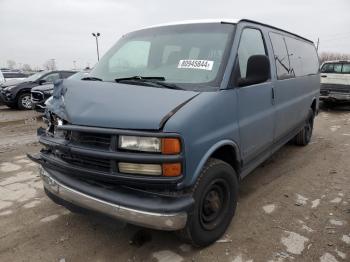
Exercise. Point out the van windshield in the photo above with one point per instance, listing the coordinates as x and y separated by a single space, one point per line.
192 56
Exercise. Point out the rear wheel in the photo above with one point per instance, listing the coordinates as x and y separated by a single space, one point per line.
304 136
215 196
24 101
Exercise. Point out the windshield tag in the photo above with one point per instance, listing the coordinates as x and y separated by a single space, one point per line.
196 64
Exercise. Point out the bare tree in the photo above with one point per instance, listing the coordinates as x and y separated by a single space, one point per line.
26 67
329 56
11 64
50 64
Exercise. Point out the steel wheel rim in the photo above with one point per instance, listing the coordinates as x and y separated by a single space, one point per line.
214 204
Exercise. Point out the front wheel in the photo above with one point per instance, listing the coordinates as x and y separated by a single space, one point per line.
24 101
215 195
304 136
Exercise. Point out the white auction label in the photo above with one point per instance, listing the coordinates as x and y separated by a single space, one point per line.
196 64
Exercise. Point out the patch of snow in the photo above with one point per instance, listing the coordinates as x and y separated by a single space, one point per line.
346 239
336 222
294 242
315 203
328 258
49 218
336 200
301 200
167 256
269 208
308 229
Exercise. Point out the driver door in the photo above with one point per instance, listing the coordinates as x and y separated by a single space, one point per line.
256 110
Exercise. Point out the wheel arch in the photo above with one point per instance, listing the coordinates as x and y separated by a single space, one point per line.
225 150
314 106
21 91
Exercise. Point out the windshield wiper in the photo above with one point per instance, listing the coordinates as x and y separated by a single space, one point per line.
151 80
140 78
91 78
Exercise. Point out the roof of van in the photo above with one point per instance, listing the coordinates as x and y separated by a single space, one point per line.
224 20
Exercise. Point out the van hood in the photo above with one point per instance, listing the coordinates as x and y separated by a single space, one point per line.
116 105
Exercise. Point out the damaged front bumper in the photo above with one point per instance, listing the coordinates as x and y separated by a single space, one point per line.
123 203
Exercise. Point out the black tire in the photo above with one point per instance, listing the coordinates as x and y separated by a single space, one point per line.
215 195
24 101
304 136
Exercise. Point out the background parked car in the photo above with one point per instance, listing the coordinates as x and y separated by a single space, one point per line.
335 81
41 93
17 95
14 76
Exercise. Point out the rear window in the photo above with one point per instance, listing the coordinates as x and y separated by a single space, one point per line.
336 68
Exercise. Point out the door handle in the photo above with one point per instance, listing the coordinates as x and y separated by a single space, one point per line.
273 95
323 76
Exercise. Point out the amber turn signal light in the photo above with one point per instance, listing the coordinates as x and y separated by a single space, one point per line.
171 146
171 169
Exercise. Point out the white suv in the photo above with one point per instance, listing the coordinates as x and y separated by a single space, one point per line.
335 81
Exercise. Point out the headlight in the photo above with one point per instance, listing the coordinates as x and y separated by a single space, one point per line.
137 143
166 146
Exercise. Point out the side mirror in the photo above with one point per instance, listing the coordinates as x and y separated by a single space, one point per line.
42 81
258 71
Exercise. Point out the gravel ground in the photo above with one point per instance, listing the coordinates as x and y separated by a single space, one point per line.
294 207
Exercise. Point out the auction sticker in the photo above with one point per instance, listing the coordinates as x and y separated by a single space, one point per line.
196 64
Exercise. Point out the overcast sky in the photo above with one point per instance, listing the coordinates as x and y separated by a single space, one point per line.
33 31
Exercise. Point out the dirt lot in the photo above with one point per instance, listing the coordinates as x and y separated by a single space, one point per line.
295 207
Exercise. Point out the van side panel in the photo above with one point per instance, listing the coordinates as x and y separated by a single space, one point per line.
299 84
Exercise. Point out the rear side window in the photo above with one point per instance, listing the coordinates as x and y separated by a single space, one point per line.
302 56
281 56
251 43
301 59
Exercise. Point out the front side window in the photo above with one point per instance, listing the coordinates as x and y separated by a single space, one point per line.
251 43
51 77
191 56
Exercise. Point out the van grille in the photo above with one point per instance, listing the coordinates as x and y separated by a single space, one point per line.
102 141
93 163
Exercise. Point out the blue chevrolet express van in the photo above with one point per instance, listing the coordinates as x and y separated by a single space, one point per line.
172 118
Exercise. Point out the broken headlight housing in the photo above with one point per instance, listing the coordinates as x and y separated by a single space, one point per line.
53 123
